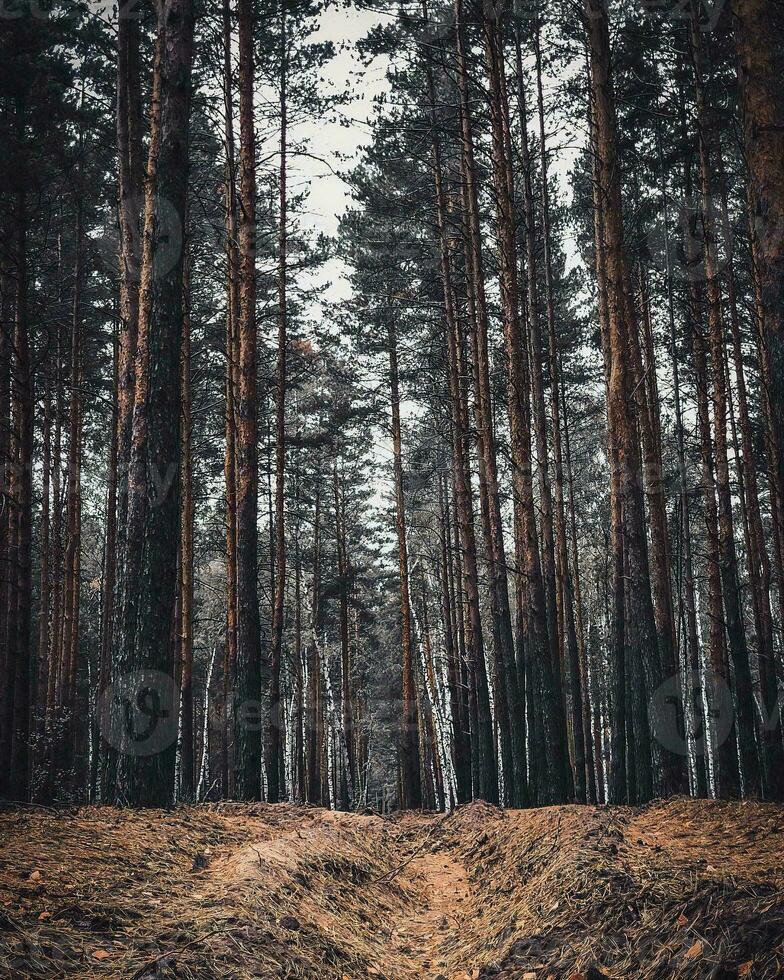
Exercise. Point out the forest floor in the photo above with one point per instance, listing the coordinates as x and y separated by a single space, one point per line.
682 889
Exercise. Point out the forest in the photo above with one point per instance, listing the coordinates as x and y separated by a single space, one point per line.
392 457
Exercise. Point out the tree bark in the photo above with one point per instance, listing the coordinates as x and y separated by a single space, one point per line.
347 709
16 724
314 727
232 370
483 764
248 680
759 27
728 563
640 637
409 736
130 190
73 523
504 663
569 657
697 721
617 782
144 638
275 767
187 773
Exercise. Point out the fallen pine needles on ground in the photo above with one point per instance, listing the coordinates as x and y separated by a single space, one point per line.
686 889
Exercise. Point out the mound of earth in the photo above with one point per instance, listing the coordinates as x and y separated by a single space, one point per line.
680 889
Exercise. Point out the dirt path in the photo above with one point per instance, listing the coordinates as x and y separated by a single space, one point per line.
426 940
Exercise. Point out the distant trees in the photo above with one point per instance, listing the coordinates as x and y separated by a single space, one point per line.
505 522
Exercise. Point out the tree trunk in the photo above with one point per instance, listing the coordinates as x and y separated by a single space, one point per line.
505 690
537 375
697 722
759 30
108 585
275 767
757 562
185 640
16 725
593 773
726 776
248 680
298 720
483 764
347 712
759 35
7 292
44 583
641 642
314 729
73 522
569 657
130 177
144 638
461 733
409 741
232 370
728 564
617 781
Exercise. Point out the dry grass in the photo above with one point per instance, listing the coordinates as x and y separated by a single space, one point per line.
682 889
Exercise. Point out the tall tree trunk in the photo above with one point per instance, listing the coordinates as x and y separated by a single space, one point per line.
130 178
314 729
44 581
409 736
232 371
144 637
593 774
73 522
617 781
347 711
483 765
726 776
16 726
505 690
7 292
185 640
248 680
728 563
275 768
640 632
569 657
697 722
648 416
759 27
758 562
108 585
759 31
298 712
55 645
537 374
461 733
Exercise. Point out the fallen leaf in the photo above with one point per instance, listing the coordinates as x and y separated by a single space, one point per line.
682 921
694 951
744 970
101 954
35 876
